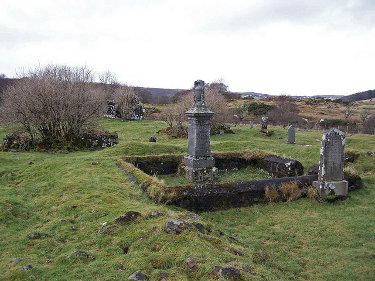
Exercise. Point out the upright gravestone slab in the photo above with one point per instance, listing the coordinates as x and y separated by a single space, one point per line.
291 135
251 124
199 164
331 166
264 123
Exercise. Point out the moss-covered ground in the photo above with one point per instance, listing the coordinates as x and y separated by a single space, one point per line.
67 199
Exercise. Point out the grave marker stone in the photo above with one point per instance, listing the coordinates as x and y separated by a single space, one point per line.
331 166
264 123
291 135
199 164
251 124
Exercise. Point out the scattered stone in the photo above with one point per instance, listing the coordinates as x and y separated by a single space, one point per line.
128 217
370 153
15 260
63 220
125 249
138 275
191 215
107 230
152 139
94 211
94 163
251 124
13 150
27 267
230 273
163 276
78 253
157 213
10 174
104 223
35 235
74 206
200 227
177 226
236 252
31 163
192 263
73 227
264 122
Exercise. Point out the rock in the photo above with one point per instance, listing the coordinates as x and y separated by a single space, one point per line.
229 273
192 263
94 163
157 214
10 174
74 206
314 170
104 224
138 275
191 215
236 252
73 227
200 227
15 260
94 211
78 253
152 139
163 276
13 150
35 235
31 163
107 230
27 267
177 226
370 153
128 217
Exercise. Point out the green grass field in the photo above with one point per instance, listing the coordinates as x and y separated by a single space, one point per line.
299 240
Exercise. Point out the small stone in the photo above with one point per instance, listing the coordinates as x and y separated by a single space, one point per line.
31 163
78 253
15 260
157 214
107 230
163 276
104 223
191 215
35 235
128 217
177 226
370 153
73 227
230 273
94 163
63 220
200 227
236 252
10 174
138 275
74 206
152 139
192 263
12 150
94 211
27 267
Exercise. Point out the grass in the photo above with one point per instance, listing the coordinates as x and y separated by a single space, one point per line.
301 240
246 174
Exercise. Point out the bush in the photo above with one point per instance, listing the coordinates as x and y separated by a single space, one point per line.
259 109
54 104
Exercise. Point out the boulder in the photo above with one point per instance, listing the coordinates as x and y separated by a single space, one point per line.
229 273
138 275
177 226
128 217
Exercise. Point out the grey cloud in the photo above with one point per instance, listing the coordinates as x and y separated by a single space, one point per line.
12 37
334 13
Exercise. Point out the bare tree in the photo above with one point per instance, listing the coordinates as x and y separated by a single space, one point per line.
53 103
348 111
109 83
364 115
127 101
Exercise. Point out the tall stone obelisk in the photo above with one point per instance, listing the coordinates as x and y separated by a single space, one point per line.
199 163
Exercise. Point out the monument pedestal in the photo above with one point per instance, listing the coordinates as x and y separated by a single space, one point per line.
337 188
200 169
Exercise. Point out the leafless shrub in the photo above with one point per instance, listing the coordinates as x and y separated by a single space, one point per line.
54 103
127 101
290 191
369 125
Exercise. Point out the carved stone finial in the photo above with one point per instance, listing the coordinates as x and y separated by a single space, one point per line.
198 93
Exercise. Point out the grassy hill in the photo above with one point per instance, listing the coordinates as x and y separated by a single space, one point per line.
66 197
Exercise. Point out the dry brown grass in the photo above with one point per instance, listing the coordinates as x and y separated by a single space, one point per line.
272 195
290 191
312 193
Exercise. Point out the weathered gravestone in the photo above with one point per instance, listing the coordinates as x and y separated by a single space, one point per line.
199 164
291 135
251 124
264 123
331 166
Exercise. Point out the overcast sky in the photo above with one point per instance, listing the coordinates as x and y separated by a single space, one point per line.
296 47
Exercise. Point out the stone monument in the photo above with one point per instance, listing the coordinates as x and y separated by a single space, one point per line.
251 124
264 123
199 164
291 135
331 166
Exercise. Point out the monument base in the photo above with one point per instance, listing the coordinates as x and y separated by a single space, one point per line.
290 143
337 188
201 174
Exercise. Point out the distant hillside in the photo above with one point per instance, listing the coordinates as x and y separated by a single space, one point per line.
370 94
